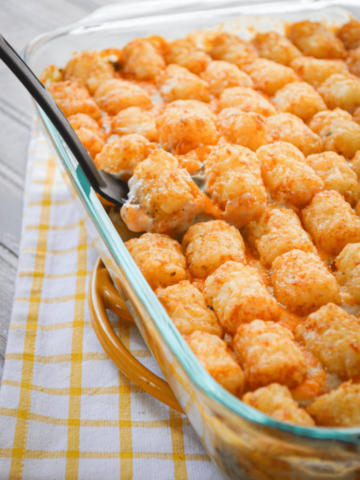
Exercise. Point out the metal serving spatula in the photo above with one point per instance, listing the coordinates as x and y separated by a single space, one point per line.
110 188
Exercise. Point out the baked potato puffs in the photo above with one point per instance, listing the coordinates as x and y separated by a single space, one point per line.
243 163
275 47
333 336
331 222
217 359
287 175
238 294
302 283
300 99
289 128
247 99
234 183
339 408
159 258
187 309
269 354
208 245
336 174
276 401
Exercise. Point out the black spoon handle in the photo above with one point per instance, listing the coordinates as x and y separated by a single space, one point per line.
46 102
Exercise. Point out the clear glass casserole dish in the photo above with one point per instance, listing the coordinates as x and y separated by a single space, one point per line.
242 441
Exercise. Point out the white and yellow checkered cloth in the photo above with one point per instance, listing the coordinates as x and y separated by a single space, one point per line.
66 412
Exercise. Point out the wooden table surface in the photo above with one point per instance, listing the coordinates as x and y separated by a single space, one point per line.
21 21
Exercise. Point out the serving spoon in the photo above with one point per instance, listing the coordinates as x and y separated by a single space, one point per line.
112 189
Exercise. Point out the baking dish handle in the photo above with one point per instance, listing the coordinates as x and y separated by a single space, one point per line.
103 295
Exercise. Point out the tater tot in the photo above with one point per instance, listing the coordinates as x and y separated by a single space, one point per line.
208 245
184 53
73 98
91 141
177 83
315 40
279 231
339 408
348 269
331 222
300 99
242 128
122 155
232 49
89 69
341 91
238 295
52 74
115 95
302 283
355 163
81 120
268 354
159 258
333 336
275 47
218 360
349 34
143 59
353 61
247 100
186 125
287 175
135 120
220 75
187 309
269 76
315 71
338 131
276 401
336 174
233 180
162 197
286 127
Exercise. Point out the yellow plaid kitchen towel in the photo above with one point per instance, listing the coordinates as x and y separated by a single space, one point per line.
66 412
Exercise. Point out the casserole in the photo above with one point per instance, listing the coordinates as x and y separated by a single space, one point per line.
243 442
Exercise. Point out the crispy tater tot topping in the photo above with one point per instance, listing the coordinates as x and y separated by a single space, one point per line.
135 120
233 180
159 258
333 336
275 47
302 283
89 69
269 76
115 95
177 83
339 408
208 245
338 131
242 128
286 127
143 58
186 125
341 91
300 99
122 155
315 71
73 98
349 34
287 175
220 75
247 100
187 309
216 357
184 53
331 222
348 269
315 40
336 174
276 401
238 295
353 61
268 354
278 231
232 49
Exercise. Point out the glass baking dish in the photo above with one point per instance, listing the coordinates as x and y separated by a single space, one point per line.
242 441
